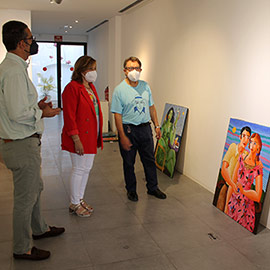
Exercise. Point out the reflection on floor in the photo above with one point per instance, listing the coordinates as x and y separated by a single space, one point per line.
182 232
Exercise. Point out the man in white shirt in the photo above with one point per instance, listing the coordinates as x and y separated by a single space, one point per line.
21 126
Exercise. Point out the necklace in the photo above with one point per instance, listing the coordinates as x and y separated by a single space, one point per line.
92 95
89 90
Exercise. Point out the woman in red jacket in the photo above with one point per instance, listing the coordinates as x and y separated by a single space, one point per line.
82 131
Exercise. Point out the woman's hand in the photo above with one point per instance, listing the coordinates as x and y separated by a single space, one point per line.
79 147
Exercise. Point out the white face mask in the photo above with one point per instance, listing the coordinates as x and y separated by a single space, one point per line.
91 76
134 75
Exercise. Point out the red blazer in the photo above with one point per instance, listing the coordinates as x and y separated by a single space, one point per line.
80 118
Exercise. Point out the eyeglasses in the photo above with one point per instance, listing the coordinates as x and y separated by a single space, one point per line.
132 68
31 38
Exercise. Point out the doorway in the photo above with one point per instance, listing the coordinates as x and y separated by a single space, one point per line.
52 68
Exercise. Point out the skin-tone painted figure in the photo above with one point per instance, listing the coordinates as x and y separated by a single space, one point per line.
241 205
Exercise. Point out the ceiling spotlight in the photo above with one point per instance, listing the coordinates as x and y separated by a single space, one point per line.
70 26
76 21
51 1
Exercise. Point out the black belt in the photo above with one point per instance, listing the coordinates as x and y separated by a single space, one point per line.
35 135
140 125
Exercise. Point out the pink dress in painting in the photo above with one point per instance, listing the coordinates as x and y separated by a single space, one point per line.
240 207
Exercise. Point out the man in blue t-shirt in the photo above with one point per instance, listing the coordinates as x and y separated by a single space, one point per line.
133 108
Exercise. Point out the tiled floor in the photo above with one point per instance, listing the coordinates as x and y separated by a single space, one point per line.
149 234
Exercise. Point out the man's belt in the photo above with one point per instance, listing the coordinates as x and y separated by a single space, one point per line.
141 125
35 135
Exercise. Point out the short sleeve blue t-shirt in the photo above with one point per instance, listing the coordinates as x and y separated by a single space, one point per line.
132 102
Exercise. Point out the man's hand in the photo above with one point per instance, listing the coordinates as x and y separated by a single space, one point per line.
158 133
42 103
125 143
48 111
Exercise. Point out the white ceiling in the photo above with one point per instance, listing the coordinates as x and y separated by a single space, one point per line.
50 18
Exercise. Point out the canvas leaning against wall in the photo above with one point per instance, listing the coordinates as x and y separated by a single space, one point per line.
172 127
244 173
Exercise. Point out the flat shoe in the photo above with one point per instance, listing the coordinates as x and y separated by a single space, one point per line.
132 195
36 255
157 193
54 231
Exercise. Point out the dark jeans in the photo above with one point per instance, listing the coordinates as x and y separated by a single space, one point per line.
142 141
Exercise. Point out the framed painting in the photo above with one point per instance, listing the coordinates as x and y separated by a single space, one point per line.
244 173
167 147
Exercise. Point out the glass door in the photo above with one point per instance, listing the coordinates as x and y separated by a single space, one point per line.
52 68
69 55
44 72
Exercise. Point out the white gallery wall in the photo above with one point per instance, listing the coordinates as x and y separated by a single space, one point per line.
210 56
98 48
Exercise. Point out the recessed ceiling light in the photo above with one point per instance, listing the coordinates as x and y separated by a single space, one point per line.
70 26
76 21
51 1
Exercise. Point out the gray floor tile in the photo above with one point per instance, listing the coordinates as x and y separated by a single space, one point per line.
150 263
105 217
54 200
255 248
114 245
100 196
180 234
219 256
155 210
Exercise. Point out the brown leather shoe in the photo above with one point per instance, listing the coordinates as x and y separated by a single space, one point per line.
36 255
54 231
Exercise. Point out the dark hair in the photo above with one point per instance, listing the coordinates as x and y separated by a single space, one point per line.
12 33
248 129
132 59
82 64
171 109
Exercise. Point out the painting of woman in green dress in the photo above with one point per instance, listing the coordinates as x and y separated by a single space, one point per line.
171 133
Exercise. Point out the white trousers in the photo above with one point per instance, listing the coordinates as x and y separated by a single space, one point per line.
81 167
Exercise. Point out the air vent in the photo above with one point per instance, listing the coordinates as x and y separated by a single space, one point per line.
130 6
96 26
